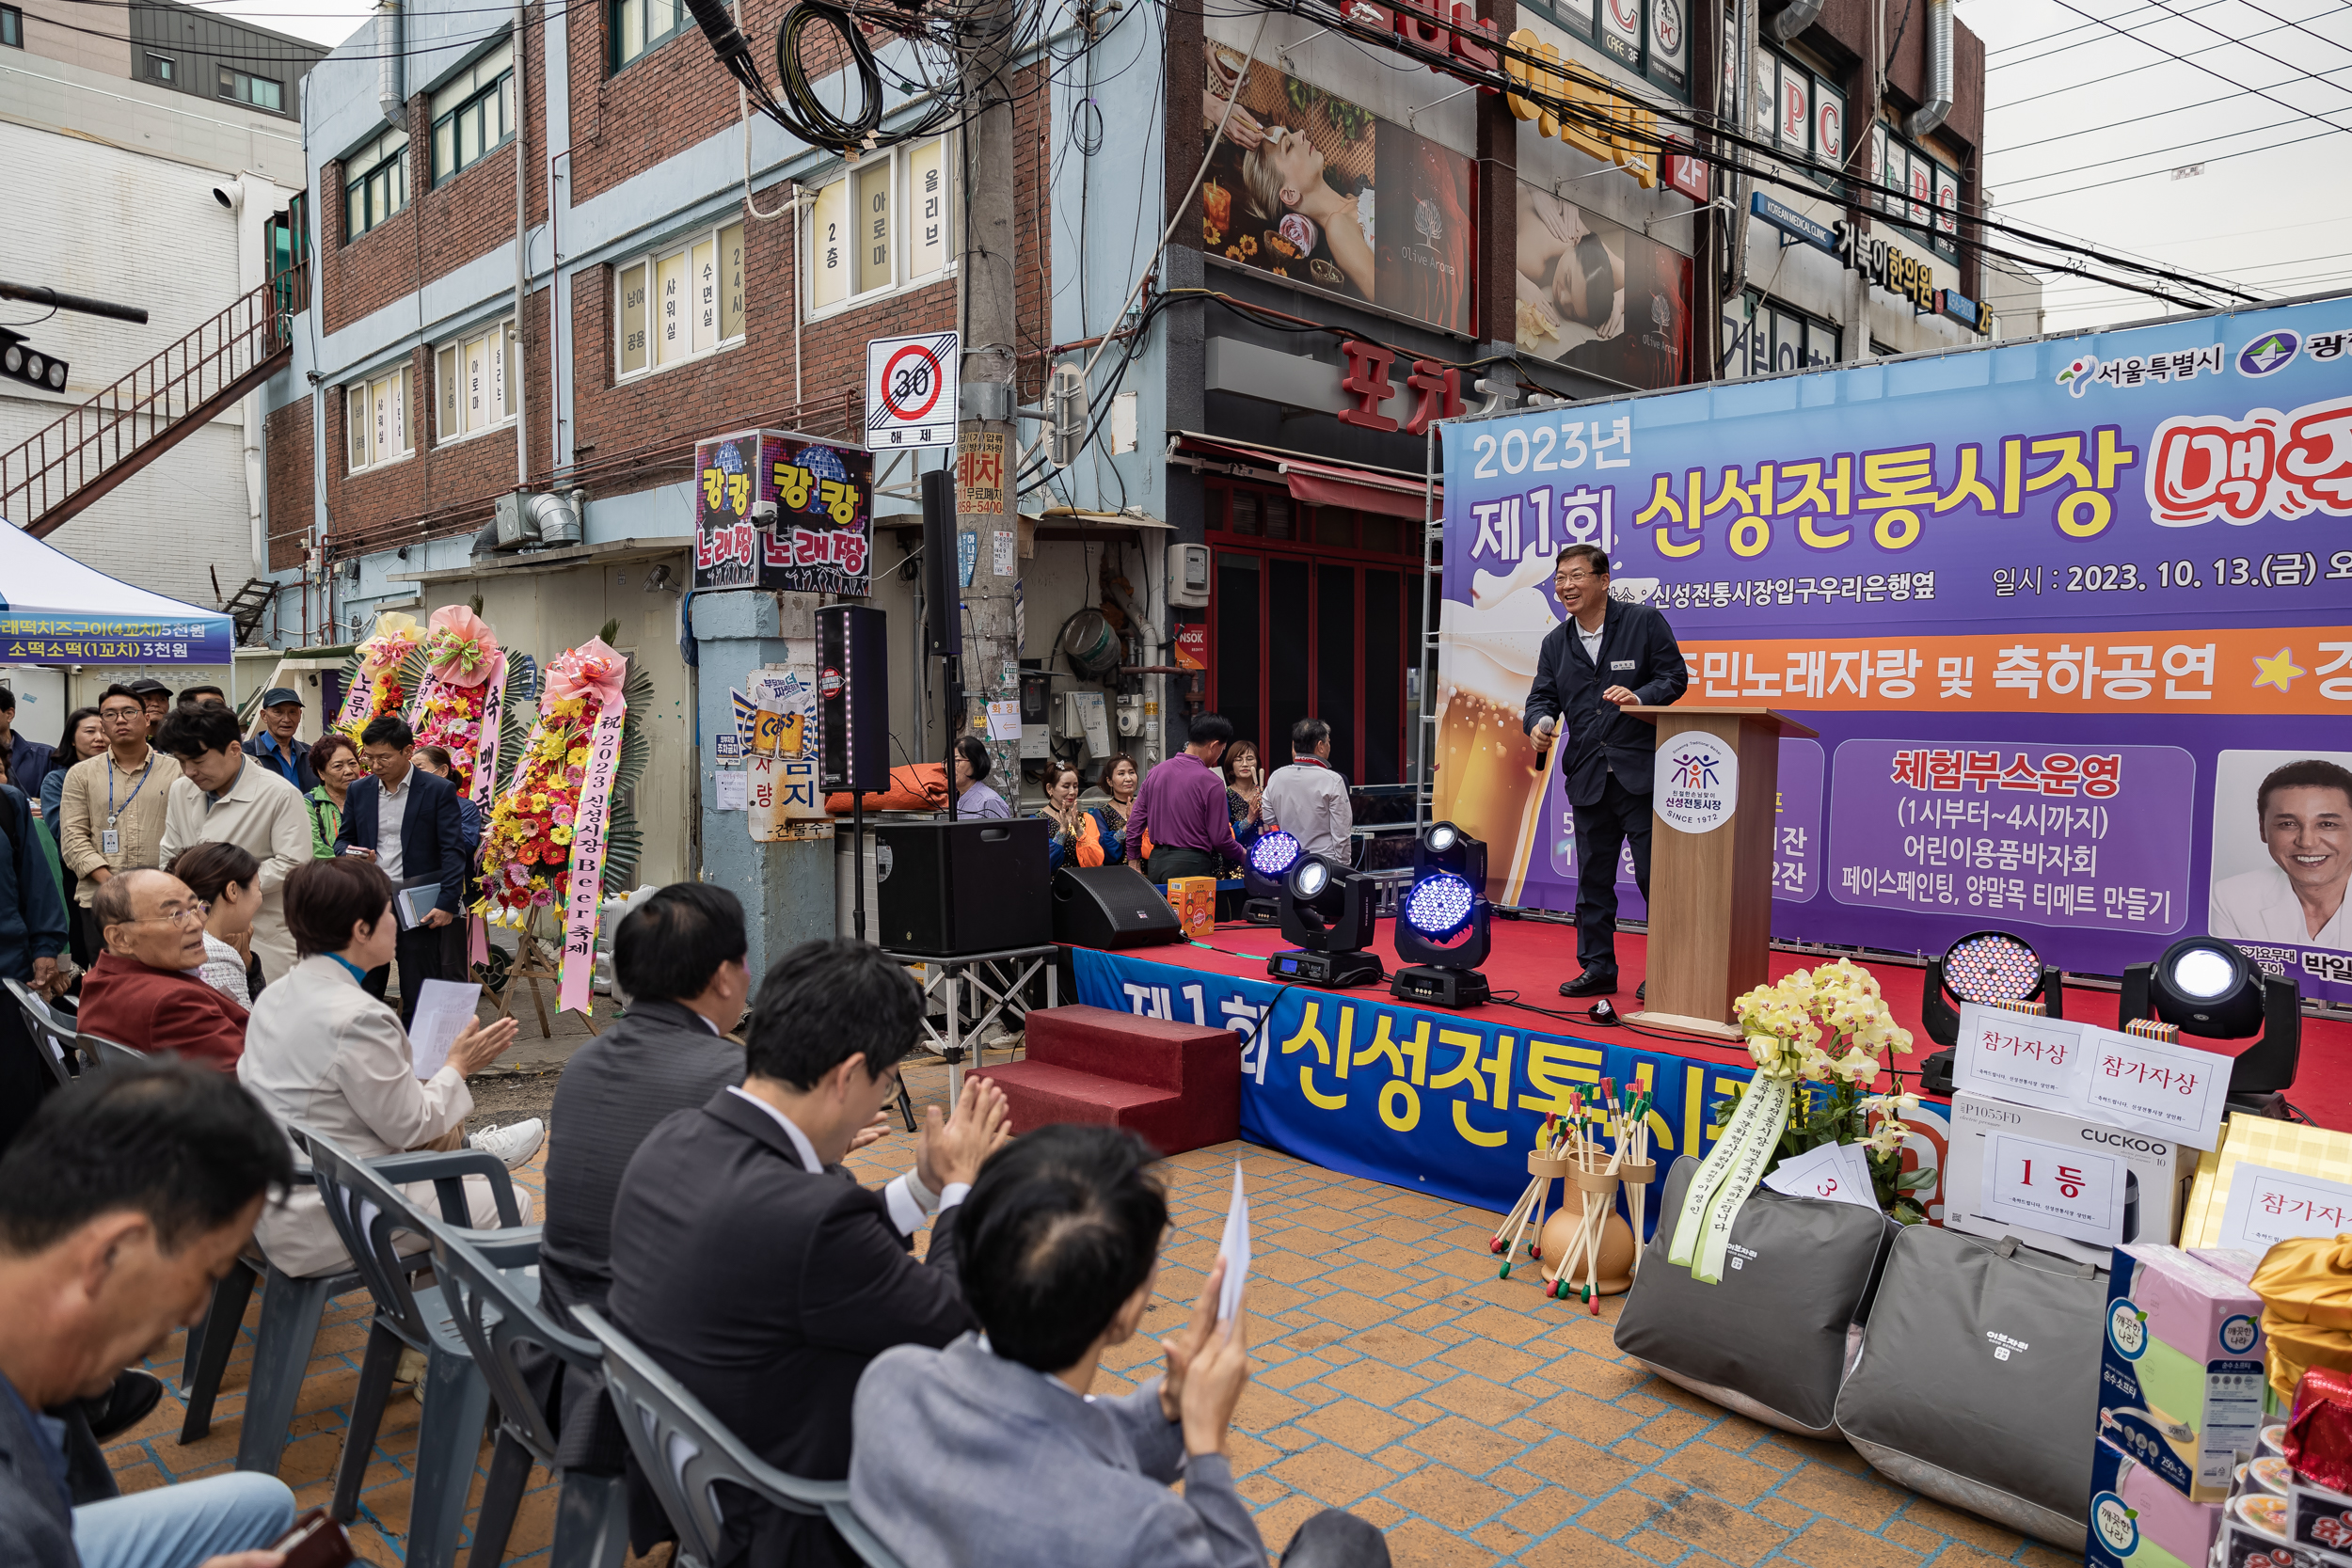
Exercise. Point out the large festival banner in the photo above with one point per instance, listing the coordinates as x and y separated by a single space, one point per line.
2057 610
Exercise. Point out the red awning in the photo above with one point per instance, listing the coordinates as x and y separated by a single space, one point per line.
1323 483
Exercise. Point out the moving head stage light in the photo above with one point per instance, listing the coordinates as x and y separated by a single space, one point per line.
1444 902
1270 860
1991 969
1329 911
2206 986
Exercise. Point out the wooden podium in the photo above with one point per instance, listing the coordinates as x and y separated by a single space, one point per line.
1711 892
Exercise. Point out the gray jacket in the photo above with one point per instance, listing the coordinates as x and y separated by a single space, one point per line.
966 1460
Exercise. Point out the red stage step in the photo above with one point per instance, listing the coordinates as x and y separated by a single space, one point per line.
1178 1084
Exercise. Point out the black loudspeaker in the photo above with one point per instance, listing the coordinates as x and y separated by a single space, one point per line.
949 889
943 580
1110 907
852 699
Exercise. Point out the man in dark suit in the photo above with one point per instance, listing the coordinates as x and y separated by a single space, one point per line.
757 1269
679 958
1603 657
407 821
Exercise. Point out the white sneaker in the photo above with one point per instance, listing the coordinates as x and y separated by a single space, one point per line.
515 1145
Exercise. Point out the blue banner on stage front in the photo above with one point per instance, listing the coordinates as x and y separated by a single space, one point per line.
1439 1102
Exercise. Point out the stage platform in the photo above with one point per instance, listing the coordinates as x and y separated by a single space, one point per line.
1447 1101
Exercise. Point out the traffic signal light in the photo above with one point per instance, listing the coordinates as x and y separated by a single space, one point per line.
21 361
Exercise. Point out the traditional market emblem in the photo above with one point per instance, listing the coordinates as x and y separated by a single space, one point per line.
1699 783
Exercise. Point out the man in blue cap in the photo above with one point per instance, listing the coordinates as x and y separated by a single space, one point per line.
282 715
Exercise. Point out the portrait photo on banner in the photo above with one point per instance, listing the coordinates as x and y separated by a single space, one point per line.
2282 848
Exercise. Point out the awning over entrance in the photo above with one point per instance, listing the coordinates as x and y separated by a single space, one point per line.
1313 480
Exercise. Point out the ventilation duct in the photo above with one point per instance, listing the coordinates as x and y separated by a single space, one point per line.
1795 18
1938 102
391 96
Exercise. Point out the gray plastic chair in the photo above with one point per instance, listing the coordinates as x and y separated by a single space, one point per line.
496 1311
53 1037
685 1454
369 1210
103 1053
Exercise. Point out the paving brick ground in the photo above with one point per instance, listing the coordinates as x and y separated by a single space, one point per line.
1395 1375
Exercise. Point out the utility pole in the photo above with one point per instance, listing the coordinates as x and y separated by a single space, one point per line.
987 445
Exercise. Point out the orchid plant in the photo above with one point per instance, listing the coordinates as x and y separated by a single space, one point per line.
1829 1029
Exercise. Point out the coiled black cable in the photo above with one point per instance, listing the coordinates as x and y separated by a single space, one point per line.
804 114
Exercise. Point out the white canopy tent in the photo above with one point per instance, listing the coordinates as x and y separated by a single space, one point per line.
56 609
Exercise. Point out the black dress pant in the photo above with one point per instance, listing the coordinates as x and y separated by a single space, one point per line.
420 954
1601 831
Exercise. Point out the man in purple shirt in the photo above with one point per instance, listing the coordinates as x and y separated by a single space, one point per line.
1181 803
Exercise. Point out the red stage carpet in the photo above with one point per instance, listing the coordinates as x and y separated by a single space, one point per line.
1530 958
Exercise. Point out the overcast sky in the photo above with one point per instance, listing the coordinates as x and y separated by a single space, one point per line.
2086 121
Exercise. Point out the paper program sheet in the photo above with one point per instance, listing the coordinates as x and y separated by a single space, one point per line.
443 1011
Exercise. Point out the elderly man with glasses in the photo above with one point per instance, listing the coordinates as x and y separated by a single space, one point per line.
144 990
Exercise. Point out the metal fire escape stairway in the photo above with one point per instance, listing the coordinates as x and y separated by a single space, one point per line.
97 446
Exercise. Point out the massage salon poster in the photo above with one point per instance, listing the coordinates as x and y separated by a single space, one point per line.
1599 296
1311 187
2061 613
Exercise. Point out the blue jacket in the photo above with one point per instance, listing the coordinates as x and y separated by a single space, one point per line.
432 831
1638 652
28 763
304 778
471 814
32 912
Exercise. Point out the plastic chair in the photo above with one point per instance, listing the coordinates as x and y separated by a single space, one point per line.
685 1454
369 1210
52 1039
498 1311
103 1053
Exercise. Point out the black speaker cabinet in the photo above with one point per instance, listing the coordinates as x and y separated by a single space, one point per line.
952 888
852 699
943 608
1110 907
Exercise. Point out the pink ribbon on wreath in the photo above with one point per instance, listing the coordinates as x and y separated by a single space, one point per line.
462 650
591 669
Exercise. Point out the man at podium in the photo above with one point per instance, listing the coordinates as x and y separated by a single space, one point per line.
1605 654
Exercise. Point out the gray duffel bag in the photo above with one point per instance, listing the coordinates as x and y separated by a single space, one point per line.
1770 1341
1978 1379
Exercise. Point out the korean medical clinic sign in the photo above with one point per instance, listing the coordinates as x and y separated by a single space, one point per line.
1986 578
1443 1104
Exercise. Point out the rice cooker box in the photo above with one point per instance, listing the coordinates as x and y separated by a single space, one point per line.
2062 1183
2180 1369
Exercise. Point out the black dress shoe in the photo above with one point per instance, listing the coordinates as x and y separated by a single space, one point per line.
123 1406
1593 982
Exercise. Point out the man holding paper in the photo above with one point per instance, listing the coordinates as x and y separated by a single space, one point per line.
407 821
994 1453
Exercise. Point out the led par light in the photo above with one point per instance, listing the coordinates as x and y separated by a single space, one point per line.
1983 967
1270 860
2206 986
1445 901
1329 911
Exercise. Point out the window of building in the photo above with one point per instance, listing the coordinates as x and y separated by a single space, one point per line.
638 27
1801 110
886 224
375 182
11 26
1935 186
375 420
474 113
162 68
1762 336
477 380
681 302
1648 38
263 92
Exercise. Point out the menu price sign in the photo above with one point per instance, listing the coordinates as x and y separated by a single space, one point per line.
2019 1057
2268 1206
2072 1192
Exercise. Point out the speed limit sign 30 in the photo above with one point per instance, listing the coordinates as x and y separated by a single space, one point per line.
911 391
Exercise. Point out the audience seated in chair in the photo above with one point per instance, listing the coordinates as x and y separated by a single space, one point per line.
679 959
994 1452
757 1271
121 1202
144 991
323 1052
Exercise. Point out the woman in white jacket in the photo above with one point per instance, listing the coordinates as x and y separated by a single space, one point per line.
322 1051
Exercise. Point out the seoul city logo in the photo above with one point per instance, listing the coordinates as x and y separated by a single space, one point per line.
2270 352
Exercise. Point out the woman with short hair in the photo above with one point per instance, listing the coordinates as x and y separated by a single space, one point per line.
224 878
336 761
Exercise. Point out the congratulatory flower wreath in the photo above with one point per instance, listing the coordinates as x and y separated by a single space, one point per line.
371 677
564 823
1805 1093
466 686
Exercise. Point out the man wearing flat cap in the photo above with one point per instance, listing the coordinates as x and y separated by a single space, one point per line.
275 745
